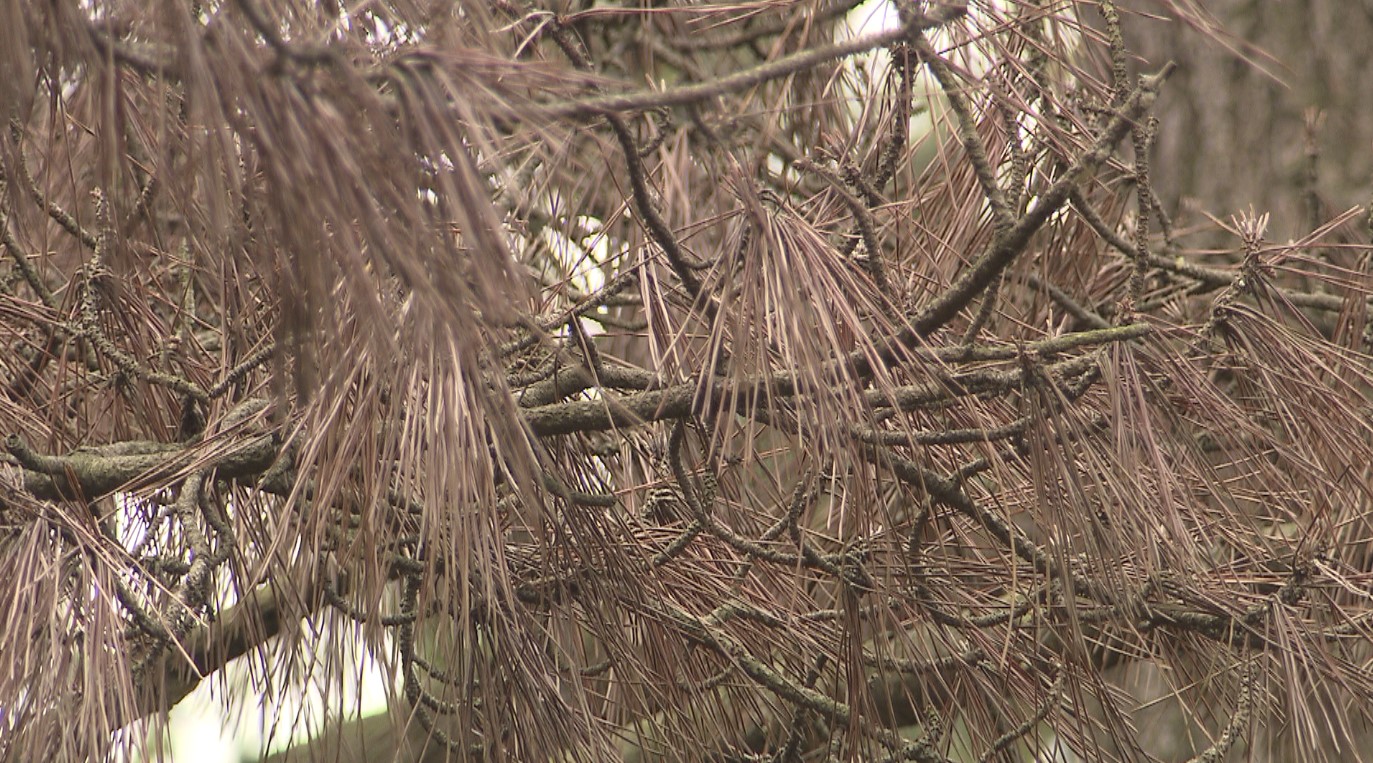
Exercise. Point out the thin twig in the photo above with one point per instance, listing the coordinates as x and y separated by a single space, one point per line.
782 67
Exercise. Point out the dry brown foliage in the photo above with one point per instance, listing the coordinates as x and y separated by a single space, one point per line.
636 381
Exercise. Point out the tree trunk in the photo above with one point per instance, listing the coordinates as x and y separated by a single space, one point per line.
1233 132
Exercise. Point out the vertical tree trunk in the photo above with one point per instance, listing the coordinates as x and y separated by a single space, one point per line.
1233 132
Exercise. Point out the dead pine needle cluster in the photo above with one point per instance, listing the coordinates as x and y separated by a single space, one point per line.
785 381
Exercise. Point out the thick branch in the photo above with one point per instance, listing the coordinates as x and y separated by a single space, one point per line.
242 628
91 473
